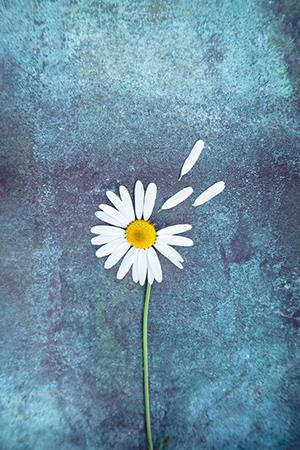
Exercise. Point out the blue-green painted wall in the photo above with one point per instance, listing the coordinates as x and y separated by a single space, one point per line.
98 93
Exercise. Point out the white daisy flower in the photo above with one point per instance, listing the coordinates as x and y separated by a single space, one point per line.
130 235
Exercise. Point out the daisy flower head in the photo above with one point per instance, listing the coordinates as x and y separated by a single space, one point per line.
130 236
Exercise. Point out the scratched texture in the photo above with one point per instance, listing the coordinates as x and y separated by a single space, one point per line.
98 93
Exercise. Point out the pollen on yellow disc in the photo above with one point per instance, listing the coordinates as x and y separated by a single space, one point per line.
141 233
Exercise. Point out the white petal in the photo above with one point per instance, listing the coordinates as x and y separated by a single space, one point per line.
209 193
116 255
115 214
192 158
175 229
104 217
109 248
126 199
150 275
150 198
127 262
139 199
115 200
106 230
177 198
169 253
118 204
135 267
142 262
154 264
176 240
100 240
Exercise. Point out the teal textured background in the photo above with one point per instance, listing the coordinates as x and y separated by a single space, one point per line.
100 93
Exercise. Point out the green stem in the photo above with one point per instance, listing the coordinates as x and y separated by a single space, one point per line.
146 373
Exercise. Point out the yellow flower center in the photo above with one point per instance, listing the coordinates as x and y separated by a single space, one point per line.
141 233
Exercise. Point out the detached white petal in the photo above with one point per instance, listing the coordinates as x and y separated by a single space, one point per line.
106 230
150 198
127 262
170 253
109 248
116 255
139 199
126 199
115 214
176 240
211 192
154 264
177 198
192 158
174 229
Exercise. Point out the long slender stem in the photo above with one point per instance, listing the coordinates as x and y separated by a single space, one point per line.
146 372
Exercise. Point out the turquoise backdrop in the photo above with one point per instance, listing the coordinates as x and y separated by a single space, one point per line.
94 94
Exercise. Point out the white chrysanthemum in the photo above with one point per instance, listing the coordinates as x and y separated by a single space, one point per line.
131 236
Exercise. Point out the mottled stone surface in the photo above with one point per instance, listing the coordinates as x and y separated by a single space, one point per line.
98 93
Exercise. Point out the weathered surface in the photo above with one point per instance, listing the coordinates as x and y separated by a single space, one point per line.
97 93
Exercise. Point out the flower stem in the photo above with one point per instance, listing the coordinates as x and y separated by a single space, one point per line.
146 373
